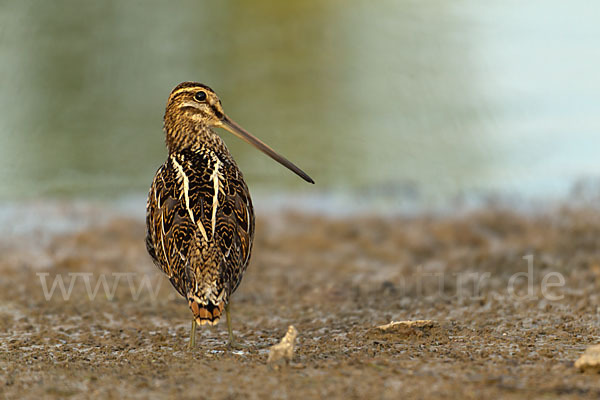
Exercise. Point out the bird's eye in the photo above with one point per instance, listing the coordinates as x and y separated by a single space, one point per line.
200 96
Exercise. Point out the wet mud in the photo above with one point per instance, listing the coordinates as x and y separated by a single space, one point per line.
513 300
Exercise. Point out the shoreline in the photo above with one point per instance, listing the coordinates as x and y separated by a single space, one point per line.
64 214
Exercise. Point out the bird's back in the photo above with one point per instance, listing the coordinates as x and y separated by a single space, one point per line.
200 226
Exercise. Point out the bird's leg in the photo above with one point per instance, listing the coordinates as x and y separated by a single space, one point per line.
228 316
193 335
232 342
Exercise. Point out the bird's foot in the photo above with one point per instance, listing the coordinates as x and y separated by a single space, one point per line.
235 345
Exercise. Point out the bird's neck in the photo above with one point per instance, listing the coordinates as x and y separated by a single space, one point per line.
180 137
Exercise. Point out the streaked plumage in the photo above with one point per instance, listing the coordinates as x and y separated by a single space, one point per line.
200 227
199 215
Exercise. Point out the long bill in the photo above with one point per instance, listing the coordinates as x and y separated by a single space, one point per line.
243 134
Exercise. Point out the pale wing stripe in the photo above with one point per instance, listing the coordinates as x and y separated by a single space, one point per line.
162 242
186 187
202 230
215 178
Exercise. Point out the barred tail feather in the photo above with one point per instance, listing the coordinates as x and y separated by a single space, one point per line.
206 313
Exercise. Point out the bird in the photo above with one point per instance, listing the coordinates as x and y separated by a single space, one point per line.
199 215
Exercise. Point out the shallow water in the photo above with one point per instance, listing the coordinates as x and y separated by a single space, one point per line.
403 100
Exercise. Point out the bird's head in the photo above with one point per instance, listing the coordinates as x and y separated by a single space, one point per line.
194 108
194 104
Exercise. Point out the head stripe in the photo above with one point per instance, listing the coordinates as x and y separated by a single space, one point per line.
187 87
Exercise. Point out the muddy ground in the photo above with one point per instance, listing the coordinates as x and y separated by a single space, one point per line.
495 334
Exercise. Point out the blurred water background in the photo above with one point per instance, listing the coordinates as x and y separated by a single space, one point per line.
383 103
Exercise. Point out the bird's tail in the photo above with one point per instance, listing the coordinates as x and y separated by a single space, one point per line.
206 313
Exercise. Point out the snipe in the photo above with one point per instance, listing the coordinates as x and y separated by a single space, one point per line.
199 215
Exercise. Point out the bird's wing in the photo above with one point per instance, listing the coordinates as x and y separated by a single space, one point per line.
200 224
169 228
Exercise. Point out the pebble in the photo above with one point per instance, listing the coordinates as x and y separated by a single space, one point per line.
283 351
590 360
